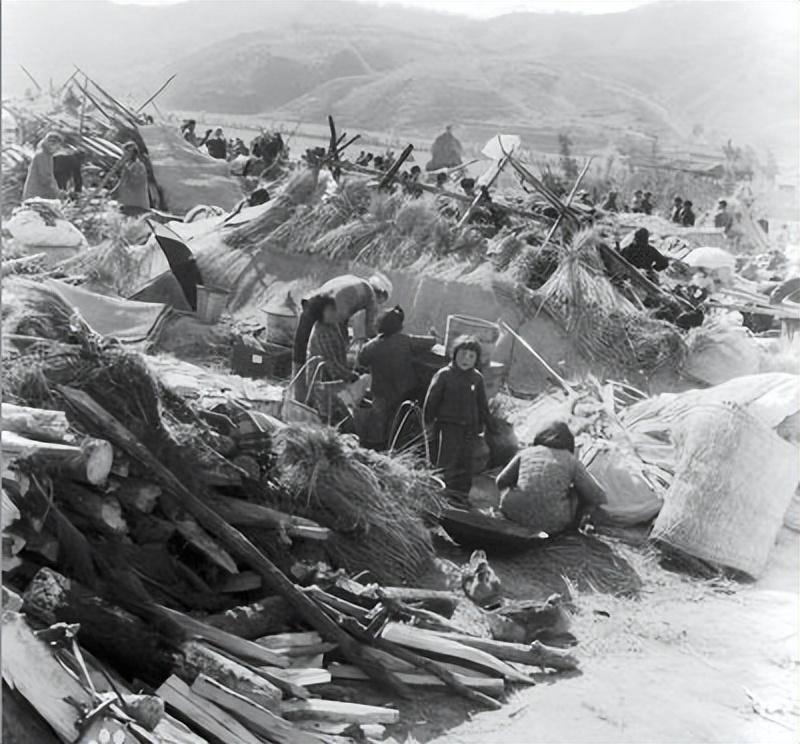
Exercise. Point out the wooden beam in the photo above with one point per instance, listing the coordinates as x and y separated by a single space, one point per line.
357 652
268 615
203 713
489 685
258 718
38 423
337 711
241 513
429 642
535 654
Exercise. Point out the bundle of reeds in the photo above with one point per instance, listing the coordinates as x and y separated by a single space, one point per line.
375 503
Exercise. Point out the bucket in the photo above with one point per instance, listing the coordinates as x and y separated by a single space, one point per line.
282 321
211 301
494 374
460 325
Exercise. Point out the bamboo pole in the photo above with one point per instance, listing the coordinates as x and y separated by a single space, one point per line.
157 93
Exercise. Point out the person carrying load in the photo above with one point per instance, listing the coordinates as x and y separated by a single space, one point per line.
354 294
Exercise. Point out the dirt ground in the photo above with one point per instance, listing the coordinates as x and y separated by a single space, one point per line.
689 661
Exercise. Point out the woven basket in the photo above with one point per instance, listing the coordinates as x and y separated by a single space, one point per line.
733 483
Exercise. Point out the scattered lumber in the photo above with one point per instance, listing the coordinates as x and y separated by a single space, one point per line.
136 494
535 654
303 676
204 714
355 651
338 712
103 511
263 721
37 423
489 685
226 641
427 641
201 658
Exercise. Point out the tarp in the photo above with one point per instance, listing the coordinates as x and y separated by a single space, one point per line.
188 177
126 320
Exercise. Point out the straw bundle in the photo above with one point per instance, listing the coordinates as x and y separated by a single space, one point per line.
375 503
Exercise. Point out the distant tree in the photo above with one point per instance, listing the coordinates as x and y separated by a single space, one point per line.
569 166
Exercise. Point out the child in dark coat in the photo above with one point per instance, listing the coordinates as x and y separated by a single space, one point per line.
457 406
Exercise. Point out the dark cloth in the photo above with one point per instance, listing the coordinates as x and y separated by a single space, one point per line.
556 436
66 168
548 489
644 257
687 217
217 148
389 359
647 206
454 445
301 335
457 396
181 263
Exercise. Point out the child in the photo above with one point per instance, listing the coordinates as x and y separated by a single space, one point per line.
457 407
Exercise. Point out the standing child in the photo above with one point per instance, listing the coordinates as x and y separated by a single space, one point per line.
457 407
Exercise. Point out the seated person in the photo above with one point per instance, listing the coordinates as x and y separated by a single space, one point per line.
547 488
642 255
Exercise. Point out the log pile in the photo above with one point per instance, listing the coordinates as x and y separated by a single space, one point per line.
161 607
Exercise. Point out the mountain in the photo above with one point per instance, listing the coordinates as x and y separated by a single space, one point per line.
663 70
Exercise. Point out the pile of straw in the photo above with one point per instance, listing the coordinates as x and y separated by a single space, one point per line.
376 504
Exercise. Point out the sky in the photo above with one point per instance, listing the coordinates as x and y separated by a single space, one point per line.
484 8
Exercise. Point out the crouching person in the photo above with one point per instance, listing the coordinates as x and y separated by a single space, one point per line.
457 408
548 489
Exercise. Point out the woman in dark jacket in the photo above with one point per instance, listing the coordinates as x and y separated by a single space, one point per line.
548 487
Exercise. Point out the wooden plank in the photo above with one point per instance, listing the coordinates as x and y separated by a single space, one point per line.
427 641
230 643
172 731
289 640
303 676
244 581
536 654
258 718
337 711
38 423
490 685
241 513
27 662
203 713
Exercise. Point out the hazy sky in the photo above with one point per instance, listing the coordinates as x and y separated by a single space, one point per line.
485 8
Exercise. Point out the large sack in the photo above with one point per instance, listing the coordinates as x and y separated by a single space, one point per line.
630 499
726 353
733 483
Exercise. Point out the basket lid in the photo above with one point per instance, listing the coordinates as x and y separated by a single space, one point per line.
286 307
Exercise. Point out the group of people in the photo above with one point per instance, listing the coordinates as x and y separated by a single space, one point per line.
266 146
55 167
545 486
682 212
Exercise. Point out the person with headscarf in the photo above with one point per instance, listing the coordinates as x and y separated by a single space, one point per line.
457 409
388 357
546 487
131 191
41 180
642 255
687 214
354 294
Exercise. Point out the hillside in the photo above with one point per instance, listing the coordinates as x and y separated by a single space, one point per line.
661 70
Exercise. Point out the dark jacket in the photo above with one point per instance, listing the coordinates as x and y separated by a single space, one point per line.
301 335
217 148
389 360
687 217
66 168
644 257
458 397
